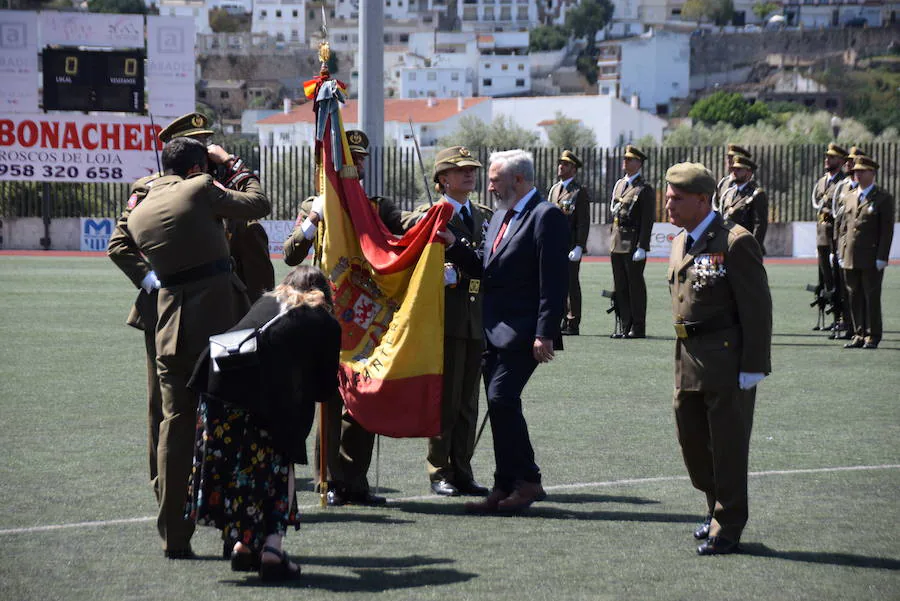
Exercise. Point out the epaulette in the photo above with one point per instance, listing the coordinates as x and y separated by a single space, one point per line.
485 208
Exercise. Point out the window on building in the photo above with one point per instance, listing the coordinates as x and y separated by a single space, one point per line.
604 91
223 94
262 14
521 67
520 83
454 77
662 109
387 38
202 93
284 137
343 37
504 67
412 75
831 103
404 37
487 82
432 76
296 14
277 14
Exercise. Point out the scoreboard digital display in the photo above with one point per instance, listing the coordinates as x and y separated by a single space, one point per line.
93 80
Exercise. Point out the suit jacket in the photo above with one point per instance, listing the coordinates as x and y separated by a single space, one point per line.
525 282
178 227
740 291
296 247
299 361
822 201
749 208
868 228
574 201
634 211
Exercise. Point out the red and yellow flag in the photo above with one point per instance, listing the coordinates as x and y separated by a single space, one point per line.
389 298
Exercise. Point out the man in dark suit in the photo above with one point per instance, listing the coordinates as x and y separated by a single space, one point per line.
522 267
723 322
868 232
179 229
573 200
633 210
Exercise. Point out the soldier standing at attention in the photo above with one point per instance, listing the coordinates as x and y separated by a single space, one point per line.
633 209
868 231
728 179
835 157
745 202
723 322
574 201
250 247
844 188
178 228
349 445
450 454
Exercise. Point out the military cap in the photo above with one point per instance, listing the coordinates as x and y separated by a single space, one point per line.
864 163
358 141
856 151
569 157
186 126
742 162
735 150
633 152
692 177
836 151
451 158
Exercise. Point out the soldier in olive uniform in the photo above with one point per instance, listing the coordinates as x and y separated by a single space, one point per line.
633 209
723 322
847 186
450 454
178 228
868 231
728 179
349 445
573 199
822 193
745 202
249 251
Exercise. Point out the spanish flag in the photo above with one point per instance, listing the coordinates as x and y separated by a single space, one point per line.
388 293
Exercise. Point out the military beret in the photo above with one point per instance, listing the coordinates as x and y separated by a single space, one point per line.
633 152
864 163
836 151
735 150
358 142
451 158
742 162
569 157
692 177
186 126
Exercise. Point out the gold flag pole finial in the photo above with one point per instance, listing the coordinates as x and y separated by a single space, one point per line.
324 48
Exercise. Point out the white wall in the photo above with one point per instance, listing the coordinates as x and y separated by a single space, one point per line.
656 68
436 82
198 12
504 74
286 20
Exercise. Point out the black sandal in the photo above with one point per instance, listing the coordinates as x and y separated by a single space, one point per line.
244 562
277 571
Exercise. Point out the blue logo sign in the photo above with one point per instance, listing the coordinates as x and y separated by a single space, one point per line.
95 234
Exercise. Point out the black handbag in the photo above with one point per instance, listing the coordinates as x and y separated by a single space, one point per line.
238 349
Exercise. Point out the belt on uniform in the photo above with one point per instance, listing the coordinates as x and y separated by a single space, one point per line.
194 274
698 328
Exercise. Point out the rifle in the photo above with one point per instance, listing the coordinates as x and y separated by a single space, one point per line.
821 302
613 308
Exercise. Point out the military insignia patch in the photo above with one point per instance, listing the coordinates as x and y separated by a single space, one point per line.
464 152
355 139
197 121
132 201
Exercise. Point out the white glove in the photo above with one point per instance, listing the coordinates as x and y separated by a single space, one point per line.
840 262
746 380
880 265
308 228
639 255
451 278
318 205
830 258
575 254
150 282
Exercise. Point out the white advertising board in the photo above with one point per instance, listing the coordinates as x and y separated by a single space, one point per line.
92 29
661 239
77 148
18 61
170 65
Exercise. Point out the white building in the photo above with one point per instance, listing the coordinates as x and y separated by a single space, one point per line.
497 15
836 13
284 20
504 75
195 9
435 82
654 66
393 9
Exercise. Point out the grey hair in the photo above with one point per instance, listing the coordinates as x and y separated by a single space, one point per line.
515 162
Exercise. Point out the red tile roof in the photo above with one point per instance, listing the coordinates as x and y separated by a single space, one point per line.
395 109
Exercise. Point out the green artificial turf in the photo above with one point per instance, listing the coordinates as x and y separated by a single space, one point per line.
77 516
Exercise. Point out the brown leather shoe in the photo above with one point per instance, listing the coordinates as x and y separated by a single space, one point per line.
522 498
489 505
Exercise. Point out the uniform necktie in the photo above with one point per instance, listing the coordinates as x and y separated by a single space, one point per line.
688 243
467 218
506 219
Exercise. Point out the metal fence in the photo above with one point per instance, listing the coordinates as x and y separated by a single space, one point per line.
787 173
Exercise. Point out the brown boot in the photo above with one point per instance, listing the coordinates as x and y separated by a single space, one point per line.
488 505
522 498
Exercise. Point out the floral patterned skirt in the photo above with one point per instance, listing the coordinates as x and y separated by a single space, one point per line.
239 482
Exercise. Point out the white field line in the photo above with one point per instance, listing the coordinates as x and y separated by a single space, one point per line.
578 485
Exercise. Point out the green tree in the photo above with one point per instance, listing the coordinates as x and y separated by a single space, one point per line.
719 12
547 37
502 134
136 7
764 9
589 17
730 108
570 133
221 21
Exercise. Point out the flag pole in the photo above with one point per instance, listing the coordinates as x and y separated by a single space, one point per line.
412 132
